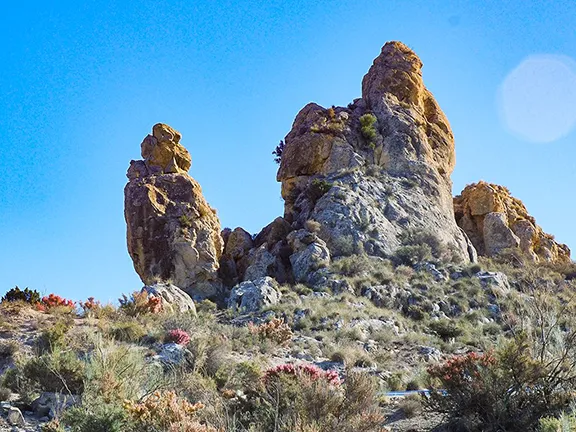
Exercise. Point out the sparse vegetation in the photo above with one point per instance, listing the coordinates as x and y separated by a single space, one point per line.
368 129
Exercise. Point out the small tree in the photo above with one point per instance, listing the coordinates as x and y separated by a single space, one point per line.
278 152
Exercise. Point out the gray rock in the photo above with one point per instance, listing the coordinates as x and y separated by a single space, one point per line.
260 263
52 404
497 235
310 254
15 417
432 270
173 298
252 296
430 353
174 354
495 281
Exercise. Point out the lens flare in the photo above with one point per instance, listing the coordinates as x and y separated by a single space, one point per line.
537 100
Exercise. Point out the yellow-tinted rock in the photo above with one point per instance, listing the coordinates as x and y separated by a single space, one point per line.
509 225
163 152
173 234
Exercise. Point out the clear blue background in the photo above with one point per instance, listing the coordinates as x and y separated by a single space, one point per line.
82 83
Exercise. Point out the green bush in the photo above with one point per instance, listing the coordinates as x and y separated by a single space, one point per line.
127 331
317 189
367 122
58 371
97 416
54 337
413 254
445 329
26 295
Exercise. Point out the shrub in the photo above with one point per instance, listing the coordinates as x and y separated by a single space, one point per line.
275 330
317 189
312 225
140 303
5 394
178 336
59 371
367 122
53 337
296 400
413 254
127 331
445 329
165 411
54 300
97 416
8 348
311 372
278 152
509 390
94 308
26 295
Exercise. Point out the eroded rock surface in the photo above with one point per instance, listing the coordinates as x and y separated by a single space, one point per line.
172 233
376 169
494 220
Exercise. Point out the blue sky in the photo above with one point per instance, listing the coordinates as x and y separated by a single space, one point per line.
82 83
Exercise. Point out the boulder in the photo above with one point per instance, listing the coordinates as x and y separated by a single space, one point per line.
172 354
310 254
252 296
173 298
52 404
494 220
235 259
172 232
368 173
15 417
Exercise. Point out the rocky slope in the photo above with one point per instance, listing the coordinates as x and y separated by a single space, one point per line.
494 220
172 232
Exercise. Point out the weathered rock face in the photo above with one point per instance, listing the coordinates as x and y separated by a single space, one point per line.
372 171
494 220
173 298
252 296
172 233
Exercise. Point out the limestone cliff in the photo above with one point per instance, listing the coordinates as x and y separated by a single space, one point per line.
173 234
372 171
494 220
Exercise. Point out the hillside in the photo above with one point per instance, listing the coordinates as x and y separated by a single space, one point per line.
374 280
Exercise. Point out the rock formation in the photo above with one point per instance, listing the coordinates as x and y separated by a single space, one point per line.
494 220
173 234
371 172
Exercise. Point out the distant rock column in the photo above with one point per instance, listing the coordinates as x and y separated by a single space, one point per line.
173 235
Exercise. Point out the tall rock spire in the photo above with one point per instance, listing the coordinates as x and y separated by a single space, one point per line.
376 173
172 233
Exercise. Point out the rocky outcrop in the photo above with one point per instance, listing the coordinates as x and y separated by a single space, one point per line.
252 296
368 173
172 233
494 220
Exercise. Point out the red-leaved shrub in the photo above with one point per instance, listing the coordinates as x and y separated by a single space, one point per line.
310 371
178 336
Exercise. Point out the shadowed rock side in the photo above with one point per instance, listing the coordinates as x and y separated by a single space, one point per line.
371 172
494 220
173 234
